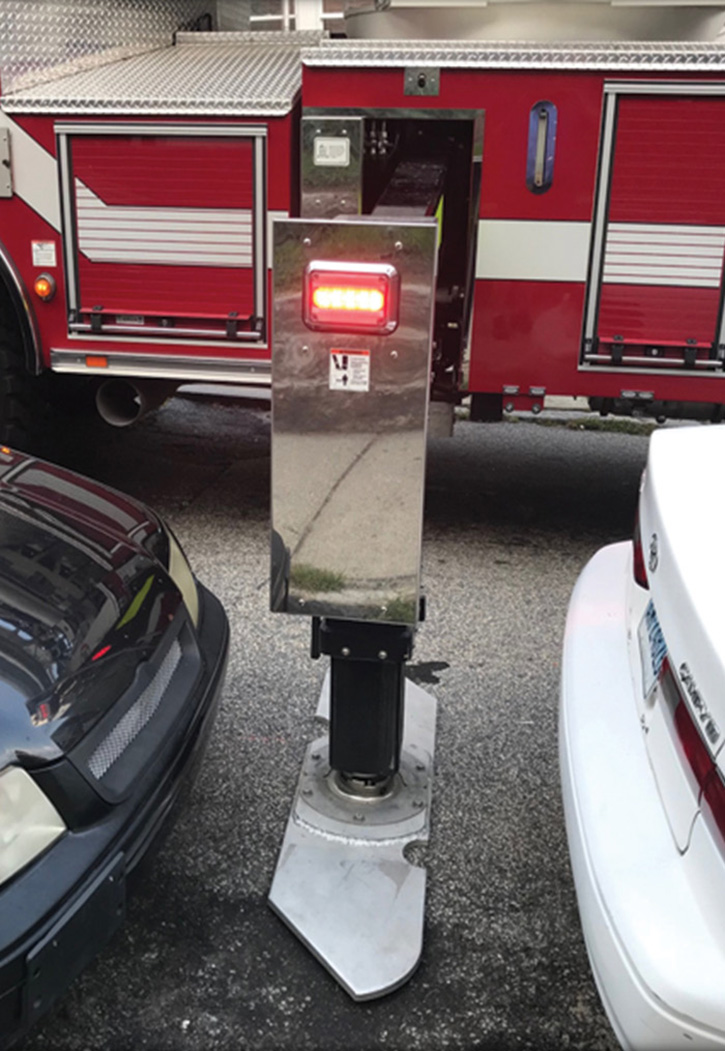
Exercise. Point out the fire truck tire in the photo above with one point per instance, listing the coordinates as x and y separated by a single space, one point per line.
20 402
72 396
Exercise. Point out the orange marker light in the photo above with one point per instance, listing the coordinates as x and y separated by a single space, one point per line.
94 361
44 286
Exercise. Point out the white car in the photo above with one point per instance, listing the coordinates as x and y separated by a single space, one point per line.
641 735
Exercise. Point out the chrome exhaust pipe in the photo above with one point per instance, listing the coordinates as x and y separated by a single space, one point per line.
121 402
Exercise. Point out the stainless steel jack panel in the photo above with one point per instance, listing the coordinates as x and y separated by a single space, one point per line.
343 883
331 166
349 414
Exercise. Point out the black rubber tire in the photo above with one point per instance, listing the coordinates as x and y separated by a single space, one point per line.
21 404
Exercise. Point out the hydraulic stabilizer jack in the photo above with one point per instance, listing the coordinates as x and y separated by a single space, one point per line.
367 699
353 312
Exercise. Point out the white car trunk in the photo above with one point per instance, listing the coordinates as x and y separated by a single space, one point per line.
681 512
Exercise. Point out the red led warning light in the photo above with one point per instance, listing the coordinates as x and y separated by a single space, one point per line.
334 298
351 297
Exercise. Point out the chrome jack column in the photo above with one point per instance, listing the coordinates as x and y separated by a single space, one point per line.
343 882
351 367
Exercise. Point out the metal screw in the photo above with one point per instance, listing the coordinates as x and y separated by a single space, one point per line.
343 203
383 655
393 353
345 651
398 246
358 817
300 602
306 240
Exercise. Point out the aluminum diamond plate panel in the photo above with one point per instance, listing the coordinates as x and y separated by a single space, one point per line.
236 77
292 39
40 41
515 55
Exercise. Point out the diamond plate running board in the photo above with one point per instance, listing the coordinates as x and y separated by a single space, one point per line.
342 882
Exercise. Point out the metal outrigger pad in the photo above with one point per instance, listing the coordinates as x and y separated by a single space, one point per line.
342 882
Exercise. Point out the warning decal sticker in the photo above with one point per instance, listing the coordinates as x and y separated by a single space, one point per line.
350 370
43 253
331 152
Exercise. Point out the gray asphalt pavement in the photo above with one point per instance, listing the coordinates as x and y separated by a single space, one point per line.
513 512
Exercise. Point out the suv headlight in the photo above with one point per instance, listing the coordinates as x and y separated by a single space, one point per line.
180 573
29 822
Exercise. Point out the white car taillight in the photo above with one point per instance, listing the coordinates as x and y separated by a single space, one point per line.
701 763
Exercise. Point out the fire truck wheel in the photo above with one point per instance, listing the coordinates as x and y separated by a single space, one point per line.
20 405
72 396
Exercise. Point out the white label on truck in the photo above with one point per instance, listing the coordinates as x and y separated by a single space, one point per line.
332 151
350 370
43 253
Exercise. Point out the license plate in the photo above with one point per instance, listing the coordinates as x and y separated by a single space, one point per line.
652 647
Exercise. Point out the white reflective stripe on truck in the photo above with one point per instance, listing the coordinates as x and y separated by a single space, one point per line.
532 250
35 173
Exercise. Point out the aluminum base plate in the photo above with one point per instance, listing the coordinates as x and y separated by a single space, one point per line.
342 882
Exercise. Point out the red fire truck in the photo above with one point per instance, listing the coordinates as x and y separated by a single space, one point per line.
578 187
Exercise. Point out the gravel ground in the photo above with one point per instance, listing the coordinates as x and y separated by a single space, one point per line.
513 511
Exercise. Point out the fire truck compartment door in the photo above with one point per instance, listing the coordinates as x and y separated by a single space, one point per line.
349 411
664 229
163 228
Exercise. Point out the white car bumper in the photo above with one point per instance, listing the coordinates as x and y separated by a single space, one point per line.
653 946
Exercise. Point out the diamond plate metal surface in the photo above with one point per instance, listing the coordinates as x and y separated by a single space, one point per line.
292 39
40 40
234 75
515 55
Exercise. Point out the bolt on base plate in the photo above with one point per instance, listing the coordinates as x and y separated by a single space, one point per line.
342 881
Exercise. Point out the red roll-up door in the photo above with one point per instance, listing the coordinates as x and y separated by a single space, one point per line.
164 231
665 231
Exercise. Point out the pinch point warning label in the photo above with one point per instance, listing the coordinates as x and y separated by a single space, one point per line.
350 370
